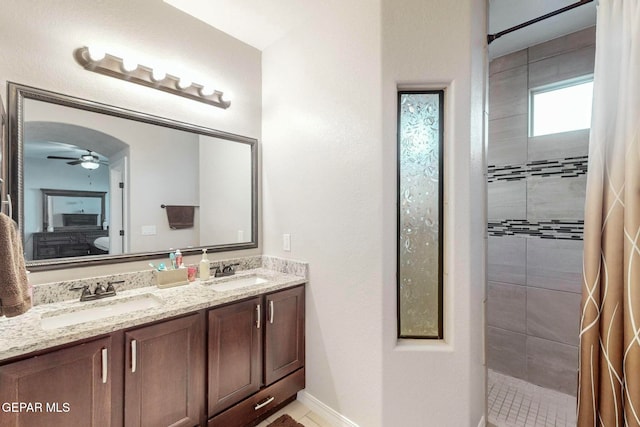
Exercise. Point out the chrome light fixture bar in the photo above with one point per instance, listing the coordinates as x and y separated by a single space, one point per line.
113 66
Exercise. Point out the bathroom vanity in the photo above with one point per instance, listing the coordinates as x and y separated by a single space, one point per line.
197 357
214 353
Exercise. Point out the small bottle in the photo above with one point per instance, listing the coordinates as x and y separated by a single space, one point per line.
204 266
191 273
179 263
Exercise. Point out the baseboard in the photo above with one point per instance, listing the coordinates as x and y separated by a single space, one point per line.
329 414
333 417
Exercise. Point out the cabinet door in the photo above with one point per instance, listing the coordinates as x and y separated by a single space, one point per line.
235 353
284 333
69 387
164 374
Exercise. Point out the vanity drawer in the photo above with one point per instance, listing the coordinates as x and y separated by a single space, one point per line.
245 412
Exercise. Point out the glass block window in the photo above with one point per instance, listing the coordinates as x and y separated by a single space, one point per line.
561 107
420 190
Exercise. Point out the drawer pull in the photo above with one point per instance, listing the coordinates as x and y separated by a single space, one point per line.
271 311
258 314
105 365
134 355
265 403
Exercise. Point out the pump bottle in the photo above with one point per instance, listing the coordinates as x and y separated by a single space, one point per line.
204 266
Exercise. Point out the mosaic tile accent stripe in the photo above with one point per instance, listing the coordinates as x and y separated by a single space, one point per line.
566 168
552 229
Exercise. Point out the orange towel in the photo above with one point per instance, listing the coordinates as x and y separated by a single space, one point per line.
14 288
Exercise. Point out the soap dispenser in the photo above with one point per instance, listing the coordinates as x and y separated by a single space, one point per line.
204 266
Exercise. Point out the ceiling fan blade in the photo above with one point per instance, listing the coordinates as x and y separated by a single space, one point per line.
75 162
62 158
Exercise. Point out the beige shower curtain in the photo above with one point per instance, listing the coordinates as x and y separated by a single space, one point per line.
609 379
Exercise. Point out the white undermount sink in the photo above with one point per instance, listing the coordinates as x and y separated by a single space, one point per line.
238 282
99 310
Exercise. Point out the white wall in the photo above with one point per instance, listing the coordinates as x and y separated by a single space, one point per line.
439 44
329 180
225 190
322 184
38 40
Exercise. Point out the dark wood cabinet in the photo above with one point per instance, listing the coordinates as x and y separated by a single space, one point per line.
256 357
58 244
245 365
260 405
235 353
69 387
284 334
164 374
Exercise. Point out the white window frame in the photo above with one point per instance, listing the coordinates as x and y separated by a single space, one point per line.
549 88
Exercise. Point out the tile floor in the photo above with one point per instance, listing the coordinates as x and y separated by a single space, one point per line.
517 403
300 413
512 403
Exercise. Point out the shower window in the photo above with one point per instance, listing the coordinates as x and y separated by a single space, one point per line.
561 107
420 237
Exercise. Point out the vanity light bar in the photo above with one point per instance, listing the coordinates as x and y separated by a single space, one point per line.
115 67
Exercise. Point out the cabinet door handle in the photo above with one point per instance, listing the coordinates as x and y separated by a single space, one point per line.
105 365
134 355
258 314
271 311
263 404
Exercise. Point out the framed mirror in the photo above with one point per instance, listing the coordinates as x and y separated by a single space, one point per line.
101 184
65 209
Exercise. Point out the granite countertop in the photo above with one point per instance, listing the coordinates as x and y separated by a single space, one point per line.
24 334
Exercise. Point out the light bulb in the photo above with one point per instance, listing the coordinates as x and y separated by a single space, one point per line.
90 165
184 82
226 97
129 65
158 74
96 53
207 90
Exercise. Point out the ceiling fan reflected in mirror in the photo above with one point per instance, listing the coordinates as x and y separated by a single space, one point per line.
88 161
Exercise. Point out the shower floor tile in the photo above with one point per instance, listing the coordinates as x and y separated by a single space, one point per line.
517 403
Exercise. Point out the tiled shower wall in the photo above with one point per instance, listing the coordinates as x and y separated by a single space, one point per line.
536 198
